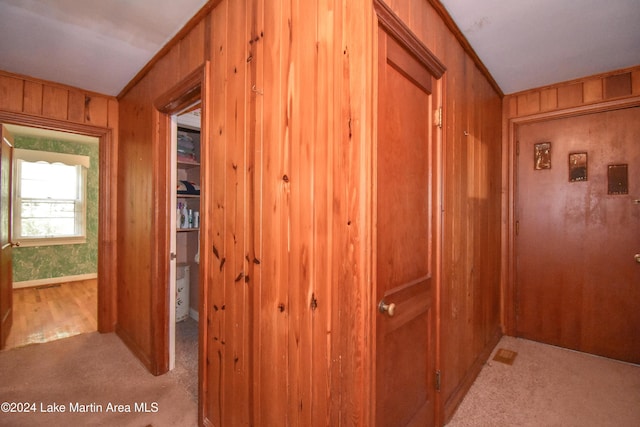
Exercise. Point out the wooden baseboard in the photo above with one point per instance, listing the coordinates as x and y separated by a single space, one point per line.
460 392
54 280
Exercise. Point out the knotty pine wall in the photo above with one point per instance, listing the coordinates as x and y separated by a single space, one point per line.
289 214
37 103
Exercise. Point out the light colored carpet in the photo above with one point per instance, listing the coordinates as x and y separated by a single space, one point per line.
186 370
550 386
90 369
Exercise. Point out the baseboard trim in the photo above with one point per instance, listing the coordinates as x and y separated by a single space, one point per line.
194 314
54 280
454 400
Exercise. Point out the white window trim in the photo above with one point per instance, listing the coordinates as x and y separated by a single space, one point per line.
49 157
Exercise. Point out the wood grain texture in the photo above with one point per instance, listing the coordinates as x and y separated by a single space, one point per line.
586 91
288 216
47 313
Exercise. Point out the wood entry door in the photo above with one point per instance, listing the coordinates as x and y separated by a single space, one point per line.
577 275
405 242
6 274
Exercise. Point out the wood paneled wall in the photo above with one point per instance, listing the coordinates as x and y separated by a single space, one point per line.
288 216
592 90
31 102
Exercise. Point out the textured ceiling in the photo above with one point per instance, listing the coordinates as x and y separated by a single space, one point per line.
101 45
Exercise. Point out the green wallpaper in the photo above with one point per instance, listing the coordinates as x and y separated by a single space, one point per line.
43 262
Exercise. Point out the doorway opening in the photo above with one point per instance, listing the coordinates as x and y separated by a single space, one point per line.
184 281
54 279
103 277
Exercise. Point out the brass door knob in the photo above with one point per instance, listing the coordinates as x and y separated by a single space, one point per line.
637 257
390 309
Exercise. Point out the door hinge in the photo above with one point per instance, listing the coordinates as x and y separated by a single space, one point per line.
517 227
438 380
517 148
439 118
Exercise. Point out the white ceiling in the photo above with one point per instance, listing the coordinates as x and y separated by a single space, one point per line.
96 45
531 43
101 45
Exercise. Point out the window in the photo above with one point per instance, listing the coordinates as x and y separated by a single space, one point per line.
49 198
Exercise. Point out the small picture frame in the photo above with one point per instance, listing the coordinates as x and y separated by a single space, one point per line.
542 156
618 179
578 167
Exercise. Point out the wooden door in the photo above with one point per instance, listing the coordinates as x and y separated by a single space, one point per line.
577 279
6 274
405 243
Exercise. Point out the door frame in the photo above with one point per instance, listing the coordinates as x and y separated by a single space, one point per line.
190 89
107 216
509 300
397 29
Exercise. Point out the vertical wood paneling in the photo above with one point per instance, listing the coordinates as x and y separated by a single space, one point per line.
548 99
273 365
569 95
236 335
11 93
592 91
55 102
96 110
214 215
76 106
585 91
319 297
192 49
289 215
33 98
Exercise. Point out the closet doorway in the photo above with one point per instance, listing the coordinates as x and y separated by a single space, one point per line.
184 99
184 277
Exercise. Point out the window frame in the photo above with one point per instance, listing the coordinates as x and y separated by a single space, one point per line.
80 205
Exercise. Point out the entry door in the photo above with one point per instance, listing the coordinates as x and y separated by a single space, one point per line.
578 275
6 274
404 238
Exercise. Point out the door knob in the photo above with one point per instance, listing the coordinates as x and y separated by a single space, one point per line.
173 256
390 309
637 257
15 244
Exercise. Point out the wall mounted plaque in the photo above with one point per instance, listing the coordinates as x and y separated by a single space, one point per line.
542 156
618 179
577 167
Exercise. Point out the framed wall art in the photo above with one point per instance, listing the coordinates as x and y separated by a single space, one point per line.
618 179
577 167
542 156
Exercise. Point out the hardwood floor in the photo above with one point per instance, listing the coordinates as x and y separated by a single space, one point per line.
50 312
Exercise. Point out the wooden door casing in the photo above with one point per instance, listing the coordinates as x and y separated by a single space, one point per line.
6 274
576 277
405 232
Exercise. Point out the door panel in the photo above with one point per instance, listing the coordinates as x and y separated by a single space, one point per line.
6 274
578 284
404 239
